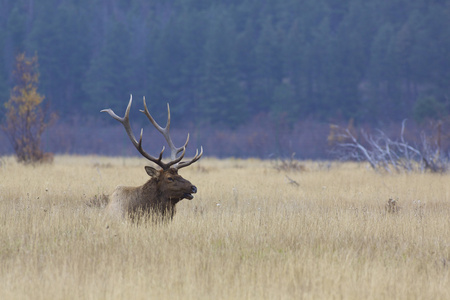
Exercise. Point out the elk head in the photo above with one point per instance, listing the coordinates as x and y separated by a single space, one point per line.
171 184
166 187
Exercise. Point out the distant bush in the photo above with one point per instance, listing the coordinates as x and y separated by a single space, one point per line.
25 119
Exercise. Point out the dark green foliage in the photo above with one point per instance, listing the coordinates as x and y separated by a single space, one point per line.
221 62
221 96
3 75
428 108
110 73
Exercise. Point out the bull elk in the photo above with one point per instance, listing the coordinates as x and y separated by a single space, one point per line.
159 195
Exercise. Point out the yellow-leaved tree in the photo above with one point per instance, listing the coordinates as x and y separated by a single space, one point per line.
25 119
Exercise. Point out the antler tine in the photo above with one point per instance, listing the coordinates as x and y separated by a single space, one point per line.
140 149
193 160
138 145
174 151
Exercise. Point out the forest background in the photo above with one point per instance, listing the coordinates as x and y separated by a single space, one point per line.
246 78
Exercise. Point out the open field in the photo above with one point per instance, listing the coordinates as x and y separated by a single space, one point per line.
247 234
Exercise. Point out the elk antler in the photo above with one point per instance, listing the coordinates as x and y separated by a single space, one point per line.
193 160
166 133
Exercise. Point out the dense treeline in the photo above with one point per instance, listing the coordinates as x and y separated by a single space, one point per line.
224 62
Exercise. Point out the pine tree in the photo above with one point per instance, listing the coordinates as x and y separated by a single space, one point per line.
223 101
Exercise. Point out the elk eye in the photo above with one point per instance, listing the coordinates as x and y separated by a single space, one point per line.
170 178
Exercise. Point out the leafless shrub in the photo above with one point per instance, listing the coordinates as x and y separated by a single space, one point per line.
201 169
392 206
102 165
47 158
288 164
99 201
384 153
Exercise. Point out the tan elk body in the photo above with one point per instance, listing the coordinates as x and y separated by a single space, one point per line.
159 195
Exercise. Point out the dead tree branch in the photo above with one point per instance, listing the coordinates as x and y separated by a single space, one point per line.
384 153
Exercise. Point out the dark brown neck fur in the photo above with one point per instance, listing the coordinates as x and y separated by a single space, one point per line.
153 200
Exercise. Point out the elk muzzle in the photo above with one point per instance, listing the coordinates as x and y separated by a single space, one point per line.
189 195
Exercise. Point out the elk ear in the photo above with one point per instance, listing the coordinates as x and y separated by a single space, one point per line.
152 172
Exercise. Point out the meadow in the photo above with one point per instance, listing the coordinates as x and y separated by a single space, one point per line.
249 233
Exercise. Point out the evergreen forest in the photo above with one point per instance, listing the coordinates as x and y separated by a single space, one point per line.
224 63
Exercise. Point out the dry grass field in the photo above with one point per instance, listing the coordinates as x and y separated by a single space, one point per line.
247 234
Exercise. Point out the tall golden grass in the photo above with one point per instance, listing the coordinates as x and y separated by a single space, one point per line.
248 234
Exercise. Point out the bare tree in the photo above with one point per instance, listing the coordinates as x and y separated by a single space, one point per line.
384 153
